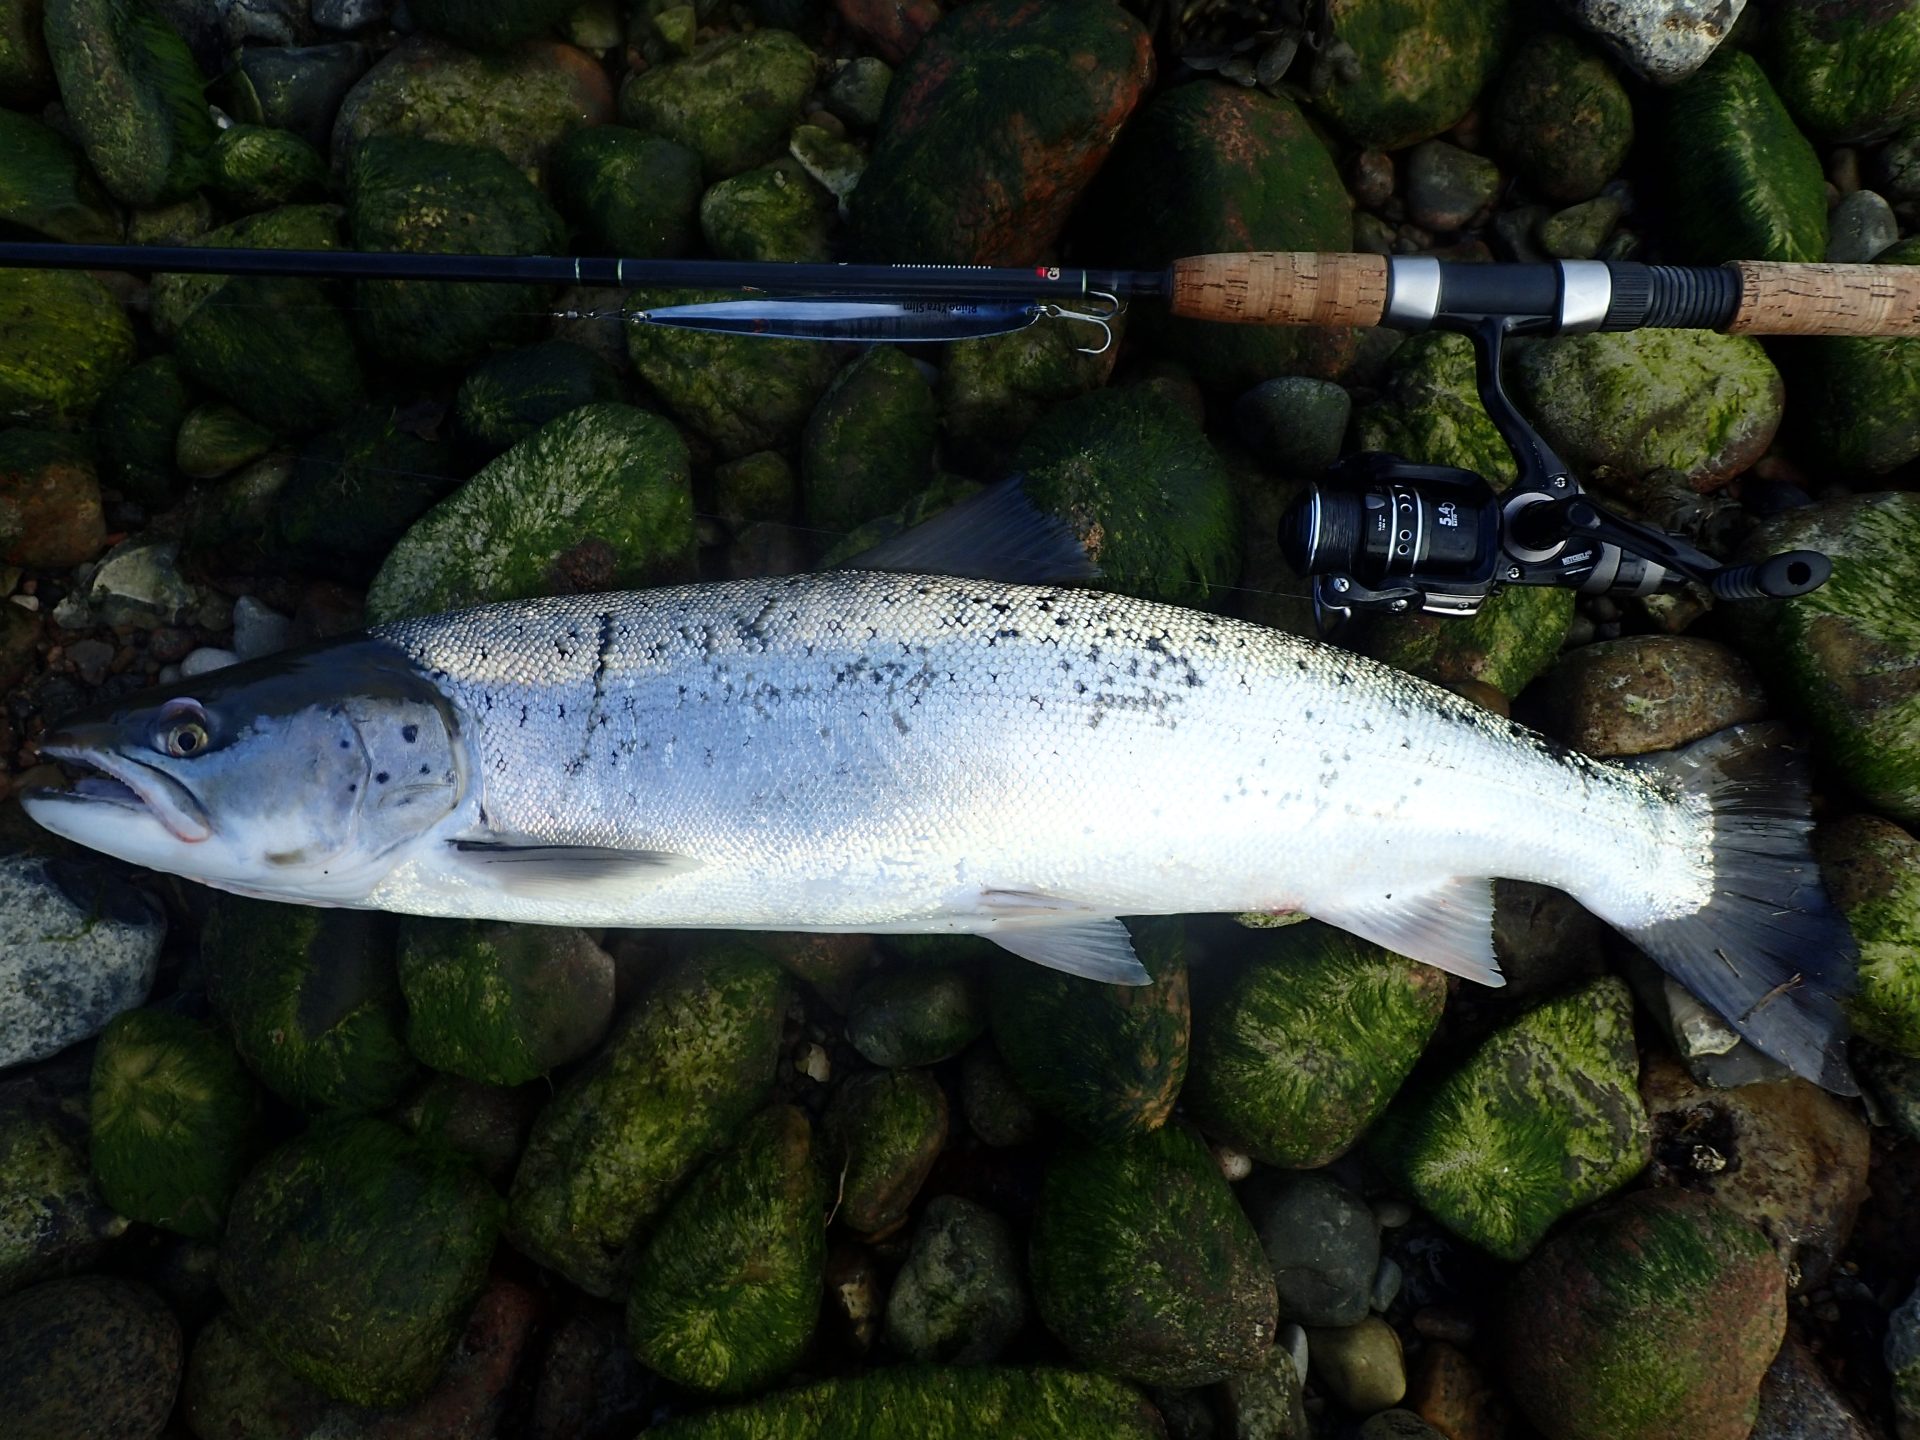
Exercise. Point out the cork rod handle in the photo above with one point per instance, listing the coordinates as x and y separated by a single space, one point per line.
1778 298
1272 287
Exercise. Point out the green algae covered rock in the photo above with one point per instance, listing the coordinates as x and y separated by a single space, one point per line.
52 1219
743 392
943 184
46 187
729 1285
680 1074
1543 1118
595 500
1747 185
1106 1061
916 1014
868 447
312 1000
486 1123
134 427
257 166
489 24
1704 404
429 197
354 1254
993 390
173 1112
133 94
1144 1265
883 1130
1420 65
632 194
732 101
775 212
1211 168
499 1003
508 396
958 1298
943 1403
1134 476
1514 637
1654 1316
1308 1042
1856 398
1561 117
1872 872
216 438
63 340
1849 70
1429 411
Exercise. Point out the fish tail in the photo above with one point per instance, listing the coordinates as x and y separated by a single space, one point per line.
1768 952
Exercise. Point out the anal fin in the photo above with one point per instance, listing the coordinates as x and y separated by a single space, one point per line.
1449 925
1093 949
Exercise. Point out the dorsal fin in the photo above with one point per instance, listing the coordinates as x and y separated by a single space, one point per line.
998 534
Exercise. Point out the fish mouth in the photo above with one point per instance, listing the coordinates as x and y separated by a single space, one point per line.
118 781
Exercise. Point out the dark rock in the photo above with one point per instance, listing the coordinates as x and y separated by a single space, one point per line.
958 1298
88 1356
1560 118
1323 1244
1647 693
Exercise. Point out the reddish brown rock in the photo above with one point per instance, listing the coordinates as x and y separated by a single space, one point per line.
1451 1394
1648 692
893 27
49 501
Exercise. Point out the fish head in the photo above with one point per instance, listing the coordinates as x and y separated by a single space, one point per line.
299 777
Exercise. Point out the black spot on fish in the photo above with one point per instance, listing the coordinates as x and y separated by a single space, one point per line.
346 744
424 769
382 778
409 733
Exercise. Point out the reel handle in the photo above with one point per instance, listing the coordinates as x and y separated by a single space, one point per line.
1778 577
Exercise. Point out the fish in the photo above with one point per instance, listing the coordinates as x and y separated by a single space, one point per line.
996 753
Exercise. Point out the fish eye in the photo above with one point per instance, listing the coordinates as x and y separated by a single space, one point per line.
182 730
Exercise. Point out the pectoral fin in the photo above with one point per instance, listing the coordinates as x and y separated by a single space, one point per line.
1449 925
534 869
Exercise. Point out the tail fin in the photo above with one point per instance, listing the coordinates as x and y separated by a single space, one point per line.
1768 952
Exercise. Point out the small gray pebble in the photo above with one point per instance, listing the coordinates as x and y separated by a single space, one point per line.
1386 1285
207 659
1861 226
257 630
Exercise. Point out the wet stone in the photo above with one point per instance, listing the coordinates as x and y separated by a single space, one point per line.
1647 693
886 1129
916 1014
589 1385
990 1098
1664 40
1266 1401
52 1218
1860 227
1799 1402
858 90
95 1355
1323 1244
1295 422
1448 186
1579 232
959 1297
1360 1365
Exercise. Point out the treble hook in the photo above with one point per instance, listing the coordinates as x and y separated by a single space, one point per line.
1101 318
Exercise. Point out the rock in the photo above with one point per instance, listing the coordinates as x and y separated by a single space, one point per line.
680 1073
172 1117
728 1286
732 101
215 439
1704 404
1323 1244
348 14
1134 476
1749 186
134 428
1663 40
993 390
1304 1047
1265 1402
1295 423
1798 1402
1143 1265
428 197
1447 186
1848 71
205 660
26 74
945 1403
1580 233
755 488
590 1386
354 1254
958 1299
257 167
133 94
1212 168
312 1000
1872 873
518 105
1560 118
492 25
916 1015
1106 1061
882 1132
486 1123
89 1356
1449 1392
355 491
1415 69
139 584
868 447
1605 1332
938 189
1857 398
1397 1425
775 212
1894 1081
49 501
1646 693
502 1004
595 500
298 88
52 1220
46 187
891 27
257 630
632 194
1787 1157
63 340
1429 411
858 90
1360 1365
1542 1119
990 1098
1859 228
78 945
1902 1352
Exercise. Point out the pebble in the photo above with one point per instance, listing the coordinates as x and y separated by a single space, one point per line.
958 1299
207 659
1860 227
91 658
1266 1402
1578 232
991 1099
815 1064
1798 1402
1449 1393
1391 1214
1361 1365
1386 1285
858 90
257 630
1370 178
140 584
1323 1245
94 1355
1294 423
1448 186
1235 1165
1663 40
1293 1339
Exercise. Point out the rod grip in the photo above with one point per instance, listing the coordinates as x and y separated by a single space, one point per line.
1781 298
1275 287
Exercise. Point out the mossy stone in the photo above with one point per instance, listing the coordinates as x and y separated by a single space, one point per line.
1308 1041
312 1000
755 488
679 1075
508 396
732 101
1654 1316
26 72
1144 1265
92 1356
46 187
1106 1061
134 427
172 1116
990 1097
993 390
729 1285
943 185
595 500
916 1014
1543 1118
52 1219
175 295
1420 64
489 24
868 447
499 1003
1747 185
1514 637
354 1254
486 1123
944 1403
215 439
1855 399
775 212
883 1130
1134 476
258 167
63 340
958 1298
134 95
1872 872
1561 117
632 194
428 197
1849 70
